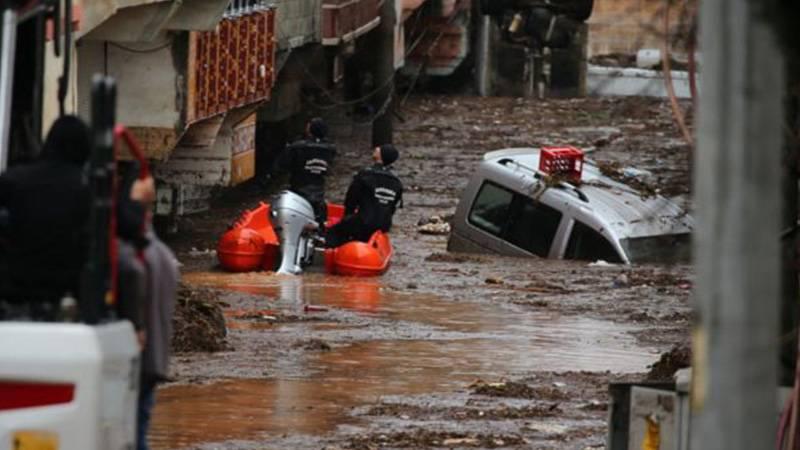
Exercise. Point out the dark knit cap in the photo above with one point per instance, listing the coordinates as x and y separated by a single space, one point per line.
318 128
389 154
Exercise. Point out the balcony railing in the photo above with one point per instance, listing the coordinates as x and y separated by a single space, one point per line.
239 8
233 65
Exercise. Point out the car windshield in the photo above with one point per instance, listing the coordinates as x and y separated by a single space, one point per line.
671 248
589 245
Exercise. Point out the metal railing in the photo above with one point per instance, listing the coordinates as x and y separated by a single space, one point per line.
238 8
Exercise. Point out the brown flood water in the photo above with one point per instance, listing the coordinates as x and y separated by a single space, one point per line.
476 340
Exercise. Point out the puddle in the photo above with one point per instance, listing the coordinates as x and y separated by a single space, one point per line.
490 341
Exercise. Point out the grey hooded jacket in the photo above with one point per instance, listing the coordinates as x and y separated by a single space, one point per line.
162 287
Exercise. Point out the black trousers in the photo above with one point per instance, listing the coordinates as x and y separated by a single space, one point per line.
317 201
350 228
320 210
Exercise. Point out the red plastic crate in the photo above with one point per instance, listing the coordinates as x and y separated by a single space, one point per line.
562 161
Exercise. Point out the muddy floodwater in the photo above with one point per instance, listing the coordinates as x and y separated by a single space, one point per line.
445 350
464 341
461 342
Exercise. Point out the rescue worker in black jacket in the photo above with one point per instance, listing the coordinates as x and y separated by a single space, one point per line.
308 161
371 200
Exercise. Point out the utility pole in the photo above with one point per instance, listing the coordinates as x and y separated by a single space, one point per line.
737 245
384 74
8 42
790 308
483 54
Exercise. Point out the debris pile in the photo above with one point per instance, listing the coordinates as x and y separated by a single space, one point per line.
640 180
457 258
198 322
426 438
664 369
509 413
514 389
435 225
313 345
494 280
501 412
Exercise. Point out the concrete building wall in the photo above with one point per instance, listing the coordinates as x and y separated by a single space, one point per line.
298 22
53 68
148 99
147 94
625 26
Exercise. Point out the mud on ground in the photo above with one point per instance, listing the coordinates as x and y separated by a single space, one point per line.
311 337
199 324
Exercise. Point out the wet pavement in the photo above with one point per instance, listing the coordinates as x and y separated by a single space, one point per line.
400 361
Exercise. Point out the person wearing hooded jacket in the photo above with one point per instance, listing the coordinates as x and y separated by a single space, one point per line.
371 200
159 308
157 285
47 203
307 161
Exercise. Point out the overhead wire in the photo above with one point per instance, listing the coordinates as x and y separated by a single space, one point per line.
680 118
389 81
338 103
424 65
691 48
144 50
381 111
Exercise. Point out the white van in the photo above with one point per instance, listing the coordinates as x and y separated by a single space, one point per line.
67 386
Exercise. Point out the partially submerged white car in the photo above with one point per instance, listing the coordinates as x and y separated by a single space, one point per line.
512 207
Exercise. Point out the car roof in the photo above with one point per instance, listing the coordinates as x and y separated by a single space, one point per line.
625 211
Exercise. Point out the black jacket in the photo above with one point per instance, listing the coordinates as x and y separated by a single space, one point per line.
373 197
47 203
308 163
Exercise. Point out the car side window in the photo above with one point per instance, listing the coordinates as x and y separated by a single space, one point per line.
515 218
490 210
532 225
587 244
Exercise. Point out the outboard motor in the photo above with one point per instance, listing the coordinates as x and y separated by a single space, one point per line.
293 219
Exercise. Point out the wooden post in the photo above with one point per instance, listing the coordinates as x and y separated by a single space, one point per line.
384 72
737 245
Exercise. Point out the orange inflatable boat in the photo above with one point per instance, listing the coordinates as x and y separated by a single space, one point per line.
251 244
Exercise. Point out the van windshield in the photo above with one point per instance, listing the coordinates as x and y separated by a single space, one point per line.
589 245
670 248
